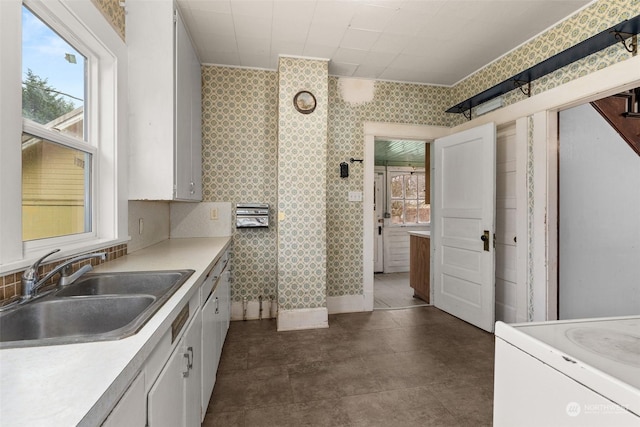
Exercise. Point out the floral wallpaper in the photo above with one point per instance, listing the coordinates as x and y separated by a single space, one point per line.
114 13
393 103
240 125
302 192
244 111
239 164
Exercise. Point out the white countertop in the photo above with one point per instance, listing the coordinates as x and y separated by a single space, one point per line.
78 384
420 233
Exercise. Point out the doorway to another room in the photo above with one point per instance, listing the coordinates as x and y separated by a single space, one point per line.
401 205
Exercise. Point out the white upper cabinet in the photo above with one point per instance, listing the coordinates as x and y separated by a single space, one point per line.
165 136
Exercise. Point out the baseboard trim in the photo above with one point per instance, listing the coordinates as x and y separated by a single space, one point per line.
253 310
335 305
303 318
347 304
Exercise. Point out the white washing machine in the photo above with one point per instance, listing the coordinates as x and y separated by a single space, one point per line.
568 373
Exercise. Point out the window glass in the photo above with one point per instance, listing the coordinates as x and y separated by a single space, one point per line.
424 211
56 183
397 187
53 78
411 186
56 170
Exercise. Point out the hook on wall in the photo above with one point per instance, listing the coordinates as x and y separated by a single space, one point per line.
632 45
356 160
520 84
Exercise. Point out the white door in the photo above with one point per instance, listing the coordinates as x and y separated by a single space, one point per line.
379 204
210 348
462 228
192 386
165 401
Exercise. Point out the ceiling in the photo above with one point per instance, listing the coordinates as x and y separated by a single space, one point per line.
437 42
399 152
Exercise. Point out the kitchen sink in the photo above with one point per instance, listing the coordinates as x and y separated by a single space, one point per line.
156 283
68 317
97 307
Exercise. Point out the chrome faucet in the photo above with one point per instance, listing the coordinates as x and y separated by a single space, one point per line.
31 282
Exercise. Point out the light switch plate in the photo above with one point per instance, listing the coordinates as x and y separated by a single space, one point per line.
214 214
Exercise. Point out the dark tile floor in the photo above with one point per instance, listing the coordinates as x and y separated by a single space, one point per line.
411 367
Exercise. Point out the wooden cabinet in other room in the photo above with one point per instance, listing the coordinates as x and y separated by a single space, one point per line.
419 269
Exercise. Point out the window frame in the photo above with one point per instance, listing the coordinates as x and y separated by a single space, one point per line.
89 141
82 25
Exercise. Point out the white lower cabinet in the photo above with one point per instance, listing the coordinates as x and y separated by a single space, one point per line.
174 399
176 382
130 410
216 314
225 304
211 344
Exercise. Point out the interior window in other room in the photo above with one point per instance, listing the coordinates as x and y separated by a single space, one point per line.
407 199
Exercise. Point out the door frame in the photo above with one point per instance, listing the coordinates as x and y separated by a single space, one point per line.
373 130
380 170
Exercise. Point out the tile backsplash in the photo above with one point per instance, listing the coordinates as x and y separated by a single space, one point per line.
154 216
10 285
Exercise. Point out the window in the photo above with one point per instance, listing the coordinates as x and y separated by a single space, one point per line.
407 198
75 158
56 159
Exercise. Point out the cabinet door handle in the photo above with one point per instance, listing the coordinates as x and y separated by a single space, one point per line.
190 359
217 305
189 356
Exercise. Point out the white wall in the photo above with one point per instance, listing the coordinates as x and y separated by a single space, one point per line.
599 234
506 217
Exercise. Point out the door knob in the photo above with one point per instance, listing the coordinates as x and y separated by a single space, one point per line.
485 239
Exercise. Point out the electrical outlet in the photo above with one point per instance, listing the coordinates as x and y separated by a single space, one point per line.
214 214
140 225
355 196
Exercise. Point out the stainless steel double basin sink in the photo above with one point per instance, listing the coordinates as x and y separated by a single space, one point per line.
97 307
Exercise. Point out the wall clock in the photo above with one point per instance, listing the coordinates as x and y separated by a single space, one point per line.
304 102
